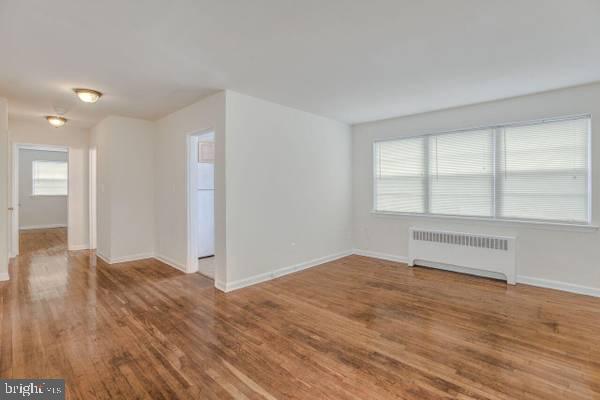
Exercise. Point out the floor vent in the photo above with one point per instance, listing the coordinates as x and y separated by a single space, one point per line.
472 251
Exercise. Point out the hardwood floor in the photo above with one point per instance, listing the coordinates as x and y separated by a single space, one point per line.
43 241
357 328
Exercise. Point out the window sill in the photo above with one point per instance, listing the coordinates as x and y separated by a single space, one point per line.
33 196
495 222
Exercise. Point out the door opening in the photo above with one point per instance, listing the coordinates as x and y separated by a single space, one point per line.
40 198
201 171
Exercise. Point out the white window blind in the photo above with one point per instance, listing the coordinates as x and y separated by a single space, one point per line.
537 171
50 178
544 171
461 173
400 183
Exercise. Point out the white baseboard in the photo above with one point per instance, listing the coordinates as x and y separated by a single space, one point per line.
171 263
564 286
267 276
4 276
220 285
143 256
102 257
50 226
116 260
381 256
528 280
77 247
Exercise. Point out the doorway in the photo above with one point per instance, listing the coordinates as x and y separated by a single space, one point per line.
40 217
201 189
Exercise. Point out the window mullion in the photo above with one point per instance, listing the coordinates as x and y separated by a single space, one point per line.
498 168
426 178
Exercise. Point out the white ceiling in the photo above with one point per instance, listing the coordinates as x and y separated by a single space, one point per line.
353 60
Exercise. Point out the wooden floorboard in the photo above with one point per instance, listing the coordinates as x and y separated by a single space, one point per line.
356 328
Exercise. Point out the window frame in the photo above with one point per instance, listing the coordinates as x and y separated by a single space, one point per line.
496 129
33 180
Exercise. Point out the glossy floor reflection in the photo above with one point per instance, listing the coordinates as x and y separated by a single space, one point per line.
356 328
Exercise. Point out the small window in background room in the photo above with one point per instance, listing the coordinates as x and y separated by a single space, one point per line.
50 178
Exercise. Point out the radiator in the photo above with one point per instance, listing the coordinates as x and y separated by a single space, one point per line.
468 250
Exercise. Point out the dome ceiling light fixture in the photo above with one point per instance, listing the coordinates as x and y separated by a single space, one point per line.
56 120
87 95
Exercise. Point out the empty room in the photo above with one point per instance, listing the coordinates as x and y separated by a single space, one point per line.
300 199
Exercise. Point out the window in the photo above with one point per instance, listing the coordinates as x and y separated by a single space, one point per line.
461 174
400 175
50 178
537 171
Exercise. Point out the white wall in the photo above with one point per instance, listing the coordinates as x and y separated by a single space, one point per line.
282 195
100 140
4 192
39 211
170 171
288 188
125 195
559 257
77 140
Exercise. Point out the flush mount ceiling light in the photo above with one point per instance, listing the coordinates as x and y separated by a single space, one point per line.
56 121
87 95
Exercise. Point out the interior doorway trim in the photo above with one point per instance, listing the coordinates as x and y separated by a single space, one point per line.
92 198
14 207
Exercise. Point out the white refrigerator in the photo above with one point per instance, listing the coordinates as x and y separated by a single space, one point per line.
206 213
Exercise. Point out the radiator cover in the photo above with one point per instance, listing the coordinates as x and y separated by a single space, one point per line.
469 250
